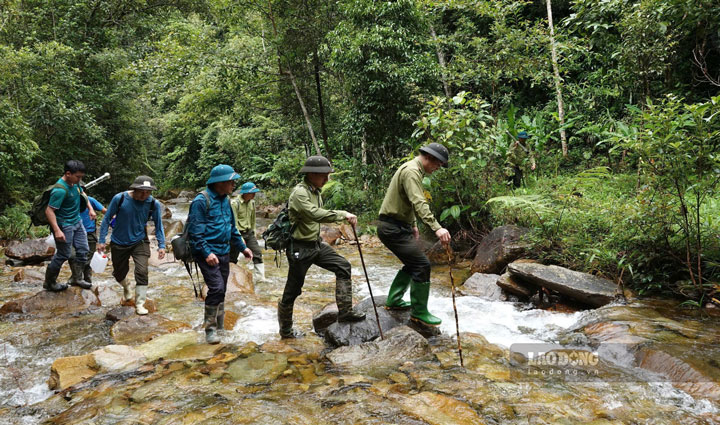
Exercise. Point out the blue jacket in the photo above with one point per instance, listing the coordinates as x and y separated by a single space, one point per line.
212 230
85 215
130 221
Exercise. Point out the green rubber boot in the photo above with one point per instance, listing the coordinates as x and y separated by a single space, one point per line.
397 290
419 294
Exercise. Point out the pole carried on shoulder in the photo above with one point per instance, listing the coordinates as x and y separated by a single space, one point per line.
362 260
457 322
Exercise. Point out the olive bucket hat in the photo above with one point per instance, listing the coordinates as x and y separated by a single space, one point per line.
438 151
317 164
222 173
143 183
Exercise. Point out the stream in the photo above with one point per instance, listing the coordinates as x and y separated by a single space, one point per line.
304 387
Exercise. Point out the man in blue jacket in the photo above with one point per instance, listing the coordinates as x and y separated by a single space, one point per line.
132 210
91 230
211 227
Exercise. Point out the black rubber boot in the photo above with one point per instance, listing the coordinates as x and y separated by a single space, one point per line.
210 324
76 279
87 273
343 299
50 283
285 321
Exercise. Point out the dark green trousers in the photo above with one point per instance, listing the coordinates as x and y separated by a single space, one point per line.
252 243
140 253
302 255
398 237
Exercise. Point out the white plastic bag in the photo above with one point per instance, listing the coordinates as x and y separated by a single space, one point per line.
98 262
50 240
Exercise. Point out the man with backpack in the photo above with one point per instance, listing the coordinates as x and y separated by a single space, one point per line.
131 211
404 203
244 209
65 203
306 212
211 231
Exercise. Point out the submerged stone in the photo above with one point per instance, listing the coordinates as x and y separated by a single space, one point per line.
438 409
164 345
138 329
583 287
400 344
258 368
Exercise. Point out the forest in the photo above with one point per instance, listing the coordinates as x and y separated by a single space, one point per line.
621 99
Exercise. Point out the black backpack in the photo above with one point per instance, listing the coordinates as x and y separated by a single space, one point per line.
40 204
279 234
181 246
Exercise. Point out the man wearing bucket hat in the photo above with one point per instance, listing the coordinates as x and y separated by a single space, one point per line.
131 211
244 209
212 230
306 212
516 155
405 202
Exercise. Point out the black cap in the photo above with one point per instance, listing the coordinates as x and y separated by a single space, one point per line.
317 164
143 183
438 151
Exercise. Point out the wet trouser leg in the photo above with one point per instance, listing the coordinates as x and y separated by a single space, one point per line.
121 254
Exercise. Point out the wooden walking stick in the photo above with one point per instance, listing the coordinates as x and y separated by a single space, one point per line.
362 260
457 322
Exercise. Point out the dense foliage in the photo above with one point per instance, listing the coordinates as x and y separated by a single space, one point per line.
173 87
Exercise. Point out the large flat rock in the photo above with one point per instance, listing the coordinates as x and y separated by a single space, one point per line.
46 304
583 287
515 286
30 251
483 285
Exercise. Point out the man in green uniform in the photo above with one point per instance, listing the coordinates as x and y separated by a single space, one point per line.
516 155
244 210
306 212
404 201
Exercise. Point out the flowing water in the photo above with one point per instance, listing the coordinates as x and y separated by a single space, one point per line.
299 386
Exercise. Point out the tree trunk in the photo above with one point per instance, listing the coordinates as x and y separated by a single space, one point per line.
304 111
558 89
321 108
289 73
441 61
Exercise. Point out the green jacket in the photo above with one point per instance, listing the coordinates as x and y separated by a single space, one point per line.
306 212
244 214
405 198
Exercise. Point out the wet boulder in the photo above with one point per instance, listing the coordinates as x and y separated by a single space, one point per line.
138 329
107 295
164 345
400 345
501 246
698 380
29 276
47 304
127 309
583 287
515 286
172 227
353 333
324 318
330 235
68 371
433 408
484 286
437 254
30 251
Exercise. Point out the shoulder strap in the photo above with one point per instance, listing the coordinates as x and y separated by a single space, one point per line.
207 199
122 198
60 186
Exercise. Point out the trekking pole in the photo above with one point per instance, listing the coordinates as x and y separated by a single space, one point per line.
457 322
377 316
